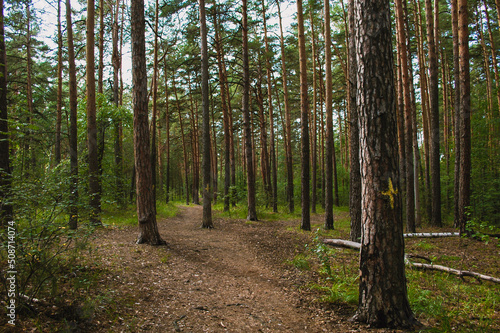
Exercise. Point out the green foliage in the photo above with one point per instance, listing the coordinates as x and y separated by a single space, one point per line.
46 251
300 262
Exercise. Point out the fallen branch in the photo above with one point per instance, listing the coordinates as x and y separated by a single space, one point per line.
454 271
431 234
342 243
461 274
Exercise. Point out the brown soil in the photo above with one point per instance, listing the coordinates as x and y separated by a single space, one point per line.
233 278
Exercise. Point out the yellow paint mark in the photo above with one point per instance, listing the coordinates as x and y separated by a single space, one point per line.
390 193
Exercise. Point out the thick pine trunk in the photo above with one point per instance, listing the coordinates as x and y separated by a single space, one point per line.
383 300
146 212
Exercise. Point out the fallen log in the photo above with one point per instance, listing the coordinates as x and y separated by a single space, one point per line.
431 234
460 273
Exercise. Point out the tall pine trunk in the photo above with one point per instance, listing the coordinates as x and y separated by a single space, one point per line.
272 148
465 113
304 123
57 152
434 158
288 122
383 300
6 210
329 121
146 212
73 137
252 212
207 188
94 186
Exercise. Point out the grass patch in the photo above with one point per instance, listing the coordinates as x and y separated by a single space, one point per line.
300 262
127 216
442 302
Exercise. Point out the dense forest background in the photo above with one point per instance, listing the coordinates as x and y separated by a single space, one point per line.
258 107
39 116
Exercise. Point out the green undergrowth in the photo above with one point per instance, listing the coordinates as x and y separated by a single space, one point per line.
114 215
442 302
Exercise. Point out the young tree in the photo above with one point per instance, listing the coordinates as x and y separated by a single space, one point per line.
383 300
5 171
73 135
304 122
146 213
252 212
207 188
94 186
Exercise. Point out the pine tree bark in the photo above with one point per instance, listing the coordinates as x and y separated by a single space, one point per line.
73 135
408 128
272 148
457 104
94 186
29 148
207 187
146 213
465 114
314 128
252 212
155 106
494 60
354 172
184 148
383 300
118 130
6 210
288 122
167 134
329 121
57 151
304 123
225 113
434 115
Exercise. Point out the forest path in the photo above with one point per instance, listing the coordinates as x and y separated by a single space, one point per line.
229 279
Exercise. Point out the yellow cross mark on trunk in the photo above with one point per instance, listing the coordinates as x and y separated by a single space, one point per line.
390 193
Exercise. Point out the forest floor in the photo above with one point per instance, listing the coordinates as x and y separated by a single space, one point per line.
233 278
246 276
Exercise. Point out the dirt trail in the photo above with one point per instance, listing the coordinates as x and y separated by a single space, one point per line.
229 279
